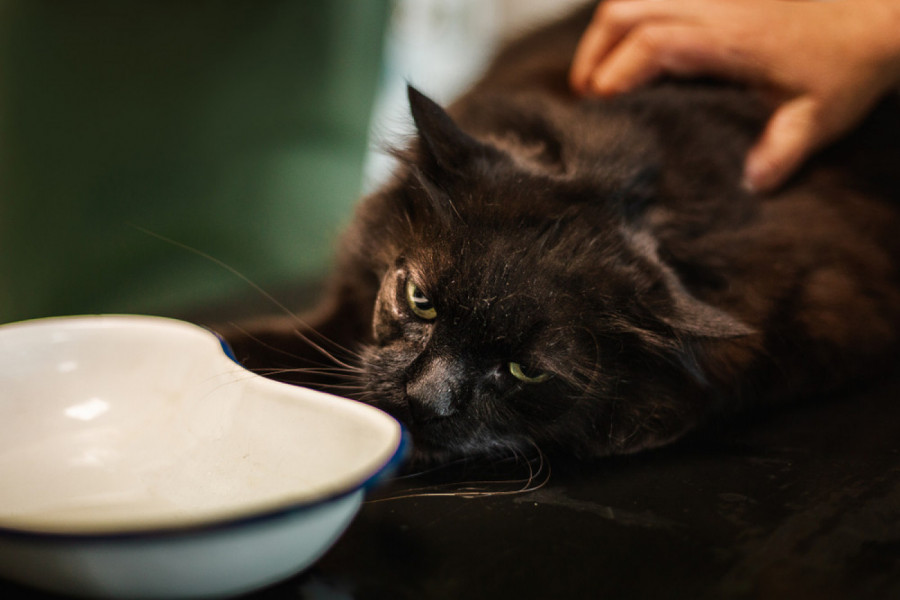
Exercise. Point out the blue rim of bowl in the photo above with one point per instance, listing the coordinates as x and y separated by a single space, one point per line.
376 478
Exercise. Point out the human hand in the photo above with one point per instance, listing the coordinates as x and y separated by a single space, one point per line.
822 64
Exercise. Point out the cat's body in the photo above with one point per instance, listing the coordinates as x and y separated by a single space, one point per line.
589 275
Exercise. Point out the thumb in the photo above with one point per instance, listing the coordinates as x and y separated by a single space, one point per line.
790 136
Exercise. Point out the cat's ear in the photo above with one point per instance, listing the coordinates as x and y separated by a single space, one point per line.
666 297
692 321
446 148
697 318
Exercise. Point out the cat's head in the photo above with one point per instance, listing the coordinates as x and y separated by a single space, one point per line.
520 307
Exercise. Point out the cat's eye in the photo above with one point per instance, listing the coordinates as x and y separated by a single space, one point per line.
527 374
419 302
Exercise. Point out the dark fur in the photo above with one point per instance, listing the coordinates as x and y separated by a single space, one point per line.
609 243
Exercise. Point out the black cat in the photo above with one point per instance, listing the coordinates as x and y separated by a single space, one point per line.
588 275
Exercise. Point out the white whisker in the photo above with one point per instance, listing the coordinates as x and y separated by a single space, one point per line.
481 489
291 314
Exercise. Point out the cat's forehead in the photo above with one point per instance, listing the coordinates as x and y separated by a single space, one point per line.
494 272
500 253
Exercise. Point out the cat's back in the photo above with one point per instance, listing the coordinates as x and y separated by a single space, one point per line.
691 136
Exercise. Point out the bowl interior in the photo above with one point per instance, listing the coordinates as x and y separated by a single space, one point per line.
117 424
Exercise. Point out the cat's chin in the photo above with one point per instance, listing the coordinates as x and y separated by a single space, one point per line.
441 442
425 455
437 441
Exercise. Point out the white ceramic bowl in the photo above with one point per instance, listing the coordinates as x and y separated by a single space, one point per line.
138 460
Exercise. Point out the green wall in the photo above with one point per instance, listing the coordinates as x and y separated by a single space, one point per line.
234 128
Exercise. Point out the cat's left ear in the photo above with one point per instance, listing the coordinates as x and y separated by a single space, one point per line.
697 318
695 321
671 302
446 147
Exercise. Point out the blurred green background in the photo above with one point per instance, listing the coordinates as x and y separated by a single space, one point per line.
237 128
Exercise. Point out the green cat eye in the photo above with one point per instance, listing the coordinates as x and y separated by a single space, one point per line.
526 375
419 302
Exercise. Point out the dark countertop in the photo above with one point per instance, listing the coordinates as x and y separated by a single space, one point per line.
802 503
798 503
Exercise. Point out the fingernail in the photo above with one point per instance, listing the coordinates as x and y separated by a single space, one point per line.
600 85
756 176
747 185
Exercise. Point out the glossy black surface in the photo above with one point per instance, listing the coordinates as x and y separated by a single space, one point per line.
798 503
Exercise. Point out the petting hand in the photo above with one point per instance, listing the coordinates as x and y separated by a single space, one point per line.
824 64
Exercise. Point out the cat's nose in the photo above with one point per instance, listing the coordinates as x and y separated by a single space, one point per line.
436 391
430 400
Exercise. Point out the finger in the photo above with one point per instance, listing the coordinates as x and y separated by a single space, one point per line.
681 50
789 137
603 33
612 21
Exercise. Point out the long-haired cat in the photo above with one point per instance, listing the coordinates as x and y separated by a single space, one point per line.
588 275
